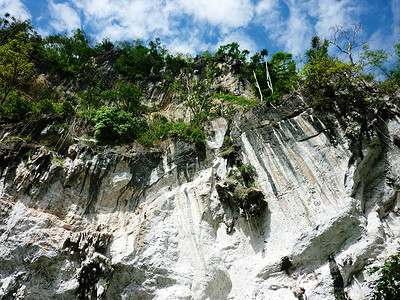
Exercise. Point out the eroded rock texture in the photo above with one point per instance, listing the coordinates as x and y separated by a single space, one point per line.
140 223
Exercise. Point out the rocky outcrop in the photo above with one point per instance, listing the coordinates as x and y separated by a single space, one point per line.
248 201
166 222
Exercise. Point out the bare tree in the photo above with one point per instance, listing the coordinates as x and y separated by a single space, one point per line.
346 40
264 53
258 86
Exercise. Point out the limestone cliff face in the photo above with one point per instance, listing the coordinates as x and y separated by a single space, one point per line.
149 223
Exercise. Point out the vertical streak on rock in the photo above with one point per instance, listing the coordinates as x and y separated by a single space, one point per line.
338 283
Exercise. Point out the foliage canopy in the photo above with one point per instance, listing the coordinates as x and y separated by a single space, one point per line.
15 65
387 285
130 71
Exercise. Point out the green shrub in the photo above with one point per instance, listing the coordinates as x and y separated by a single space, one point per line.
319 73
114 125
46 106
160 129
125 95
65 109
90 100
137 61
197 135
245 173
248 171
17 109
387 286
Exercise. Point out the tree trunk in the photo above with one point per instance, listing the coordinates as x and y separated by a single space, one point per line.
4 97
258 86
269 82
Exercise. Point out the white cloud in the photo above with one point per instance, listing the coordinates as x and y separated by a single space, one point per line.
188 42
298 29
292 23
15 8
137 19
287 23
265 6
64 17
268 15
185 25
330 13
188 26
225 13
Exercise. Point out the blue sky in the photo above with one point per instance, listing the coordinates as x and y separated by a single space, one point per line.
193 26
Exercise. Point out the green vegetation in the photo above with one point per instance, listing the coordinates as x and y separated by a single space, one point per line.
244 173
107 84
319 73
57 160
114 125
126 96
68 55
137 61
15 67
275 78
17 108
387 285
161 129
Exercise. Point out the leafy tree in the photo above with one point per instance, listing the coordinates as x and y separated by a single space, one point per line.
232 49
387 285
318 49
254 66
396 70
157 54
206 54
375 62
175 63
197 95
114 125
126 96
320 73
321 69
276 77
15 66
346 40
255 61
4 21
283 73
104 46
69 54
138 61
264 53
10 27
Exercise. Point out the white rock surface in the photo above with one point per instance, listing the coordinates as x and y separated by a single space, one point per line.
148 224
